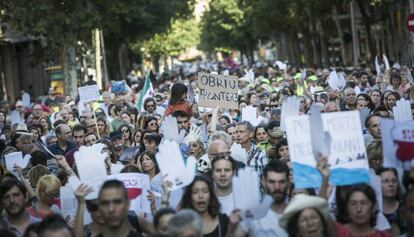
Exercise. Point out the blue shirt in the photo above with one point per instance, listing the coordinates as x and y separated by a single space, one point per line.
57 150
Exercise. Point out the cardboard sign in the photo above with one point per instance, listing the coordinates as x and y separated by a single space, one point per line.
89 93
347 159
397 143
137 186
217 90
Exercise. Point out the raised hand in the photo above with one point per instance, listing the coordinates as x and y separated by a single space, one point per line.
82 191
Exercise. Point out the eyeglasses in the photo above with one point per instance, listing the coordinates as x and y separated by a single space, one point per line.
153 124
82 117
220 155
150 106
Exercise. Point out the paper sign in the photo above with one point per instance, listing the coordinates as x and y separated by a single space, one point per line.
15 117
26 100
90 162
170 129
377 66
320 141
137 186
69 205
238 153
402 110
218 90
246 195
171 164
290 107
397 143
336 81
16 158
348 159
249 113
118 87
89 93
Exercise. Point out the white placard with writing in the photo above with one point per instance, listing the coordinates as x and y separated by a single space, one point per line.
137 186
397 143
89 93
347 159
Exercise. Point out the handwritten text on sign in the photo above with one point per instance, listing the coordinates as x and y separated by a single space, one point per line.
217 90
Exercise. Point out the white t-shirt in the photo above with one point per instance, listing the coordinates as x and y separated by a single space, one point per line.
227 203
268 226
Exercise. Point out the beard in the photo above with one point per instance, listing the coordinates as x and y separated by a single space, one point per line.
278 196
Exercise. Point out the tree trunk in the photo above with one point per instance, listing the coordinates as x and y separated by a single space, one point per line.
69 70
367 25
340 35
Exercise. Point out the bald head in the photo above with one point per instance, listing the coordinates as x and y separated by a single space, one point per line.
331 107
216 147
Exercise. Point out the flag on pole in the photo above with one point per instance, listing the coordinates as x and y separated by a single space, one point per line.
147 91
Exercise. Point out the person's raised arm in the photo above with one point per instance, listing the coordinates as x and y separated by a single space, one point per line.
234 229
323 168
80 194
26 183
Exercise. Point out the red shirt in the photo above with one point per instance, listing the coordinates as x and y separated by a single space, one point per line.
185 106
343 231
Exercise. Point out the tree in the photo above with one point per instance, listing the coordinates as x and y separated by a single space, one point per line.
62 23
227 25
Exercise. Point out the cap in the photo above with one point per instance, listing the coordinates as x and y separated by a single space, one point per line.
115 134
276 132
313 78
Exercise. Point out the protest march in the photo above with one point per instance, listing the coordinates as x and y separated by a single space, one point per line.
207 118
260 151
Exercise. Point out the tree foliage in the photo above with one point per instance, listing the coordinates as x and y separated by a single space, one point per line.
181 35
62 22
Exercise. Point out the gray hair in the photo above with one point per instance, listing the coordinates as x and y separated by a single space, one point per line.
220 135
185 219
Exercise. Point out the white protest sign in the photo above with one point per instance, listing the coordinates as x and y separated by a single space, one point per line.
90 162
321 141
238 153
137 186
171 164
402 110
16 158
249 113
386 62
15 117
69 205
26 100
217 90
89 93
170 129
246 195
336 81
290 107
347 159
397 143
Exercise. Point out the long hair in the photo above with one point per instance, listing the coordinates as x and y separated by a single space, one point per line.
214 205
177 91
151 155
369 193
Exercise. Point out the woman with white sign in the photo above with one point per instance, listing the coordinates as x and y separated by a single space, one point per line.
200 197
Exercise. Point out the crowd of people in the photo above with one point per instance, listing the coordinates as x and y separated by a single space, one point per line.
53 128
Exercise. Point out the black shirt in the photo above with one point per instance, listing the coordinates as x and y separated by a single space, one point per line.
131 234
221 228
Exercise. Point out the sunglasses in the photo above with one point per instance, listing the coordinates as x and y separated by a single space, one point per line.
150 106
124 131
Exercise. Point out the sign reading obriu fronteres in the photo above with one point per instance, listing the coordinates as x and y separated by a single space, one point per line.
217 90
